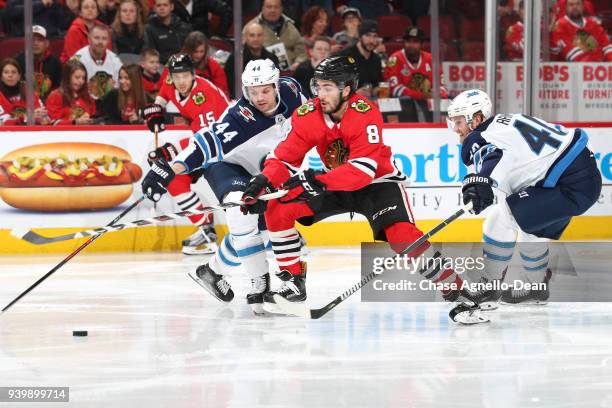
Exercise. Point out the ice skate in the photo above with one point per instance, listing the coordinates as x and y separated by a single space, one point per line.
201 242
214 284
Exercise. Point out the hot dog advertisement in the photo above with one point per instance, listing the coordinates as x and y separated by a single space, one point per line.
67 176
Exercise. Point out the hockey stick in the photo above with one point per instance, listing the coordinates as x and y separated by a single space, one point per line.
37 239
300 309
72 255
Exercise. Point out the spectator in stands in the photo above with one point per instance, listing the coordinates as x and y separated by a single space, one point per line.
71 103
165 32
195 12
78 33
70 11
253 49
47 67
122 105
45 13
151 77
369 63
101 63
409 70
108 11
577 38
321 49
559 9
196 46
128 28
314 24
13 97
280 35
351 18
514 43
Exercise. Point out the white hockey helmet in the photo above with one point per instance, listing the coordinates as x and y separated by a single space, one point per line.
259 72
469 102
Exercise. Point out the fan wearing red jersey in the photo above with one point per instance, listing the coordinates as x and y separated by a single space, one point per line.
409 70
201 103
359 177
577 38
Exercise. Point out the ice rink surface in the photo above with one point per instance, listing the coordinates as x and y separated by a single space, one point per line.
156 339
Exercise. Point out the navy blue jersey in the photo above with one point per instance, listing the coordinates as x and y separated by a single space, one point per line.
243 135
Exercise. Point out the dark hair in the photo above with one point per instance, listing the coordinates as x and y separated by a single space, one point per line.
83 1
193 40
134 72
15 63
117 26
310 16
70 67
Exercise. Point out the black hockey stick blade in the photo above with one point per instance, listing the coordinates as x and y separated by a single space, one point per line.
300 309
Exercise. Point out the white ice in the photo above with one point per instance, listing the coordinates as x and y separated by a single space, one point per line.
156 339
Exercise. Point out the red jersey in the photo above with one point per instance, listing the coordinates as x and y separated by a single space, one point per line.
587 42
514 44
13 110
352 151
61 114
213 72
410 80
204 105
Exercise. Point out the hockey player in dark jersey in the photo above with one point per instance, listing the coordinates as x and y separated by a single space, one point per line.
359 176
231 150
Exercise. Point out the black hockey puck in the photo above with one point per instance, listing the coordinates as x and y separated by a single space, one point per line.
79 333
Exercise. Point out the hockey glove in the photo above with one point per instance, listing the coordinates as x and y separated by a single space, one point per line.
478 190
155 183
258 186
167 152
302 187
153 115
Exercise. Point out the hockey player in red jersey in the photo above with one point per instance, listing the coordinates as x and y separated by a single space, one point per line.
409 70
577 38
200 102
359 176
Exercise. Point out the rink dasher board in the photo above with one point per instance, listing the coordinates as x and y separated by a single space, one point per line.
428 154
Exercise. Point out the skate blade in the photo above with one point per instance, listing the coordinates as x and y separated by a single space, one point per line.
489 306
527 303
199 281
205 250
285 307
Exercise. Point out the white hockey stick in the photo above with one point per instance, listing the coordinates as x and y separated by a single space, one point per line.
37 239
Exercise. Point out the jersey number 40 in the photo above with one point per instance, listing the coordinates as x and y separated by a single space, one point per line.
538 134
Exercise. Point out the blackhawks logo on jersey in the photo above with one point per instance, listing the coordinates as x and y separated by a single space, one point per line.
305 109
420 82
392 62
336 154
585 41
361 106
198 98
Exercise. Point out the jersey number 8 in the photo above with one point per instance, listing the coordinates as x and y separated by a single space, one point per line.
373 135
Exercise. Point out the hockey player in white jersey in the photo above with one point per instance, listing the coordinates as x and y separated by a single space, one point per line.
544 175
231 151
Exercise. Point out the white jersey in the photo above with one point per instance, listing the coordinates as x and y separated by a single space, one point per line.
517 151
243 135
102 75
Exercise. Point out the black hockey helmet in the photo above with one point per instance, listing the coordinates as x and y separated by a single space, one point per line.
340 69
180 63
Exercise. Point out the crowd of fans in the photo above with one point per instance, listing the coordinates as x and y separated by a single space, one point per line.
113 52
